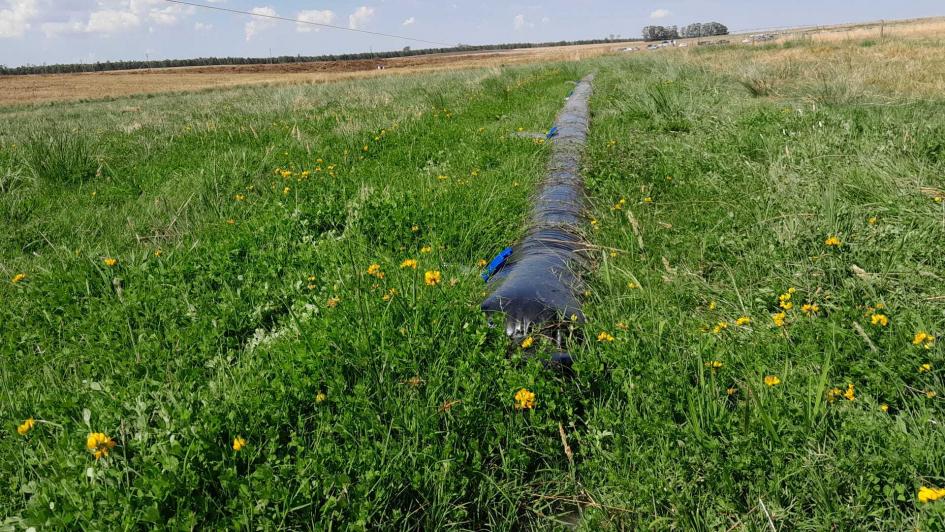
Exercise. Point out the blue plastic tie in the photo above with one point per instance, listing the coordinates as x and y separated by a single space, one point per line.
496 263
552 132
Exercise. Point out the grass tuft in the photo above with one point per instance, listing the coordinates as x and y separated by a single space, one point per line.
61 158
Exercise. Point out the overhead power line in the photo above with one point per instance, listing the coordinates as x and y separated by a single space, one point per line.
310 23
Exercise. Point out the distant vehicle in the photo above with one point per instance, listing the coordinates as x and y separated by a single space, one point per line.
683 45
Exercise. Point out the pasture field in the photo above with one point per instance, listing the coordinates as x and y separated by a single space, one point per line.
213 318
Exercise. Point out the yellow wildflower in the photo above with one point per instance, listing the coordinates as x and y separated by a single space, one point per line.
426 249
779 319
849 395
239 197
285 191
784 300
884 407
375 270
880 320
604 336
742 321
390 294
26 426
110 262
333 302
238 443
731 390
810 308
927 494
873 220
414 228
833 241
925 368
524 399
231 221
931 394
409 263
481 263
647 200
772 380
833 393
526 343
719 327
320 397
712 305
622 326
432 277
714 364
632 285
442 177
18 277
158 252
923 339
99 444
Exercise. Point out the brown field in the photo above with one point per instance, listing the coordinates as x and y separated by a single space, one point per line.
919 65
61 87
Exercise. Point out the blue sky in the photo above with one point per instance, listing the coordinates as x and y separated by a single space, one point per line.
57 31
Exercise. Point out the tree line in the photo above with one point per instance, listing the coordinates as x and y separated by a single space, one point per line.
698 29
103 66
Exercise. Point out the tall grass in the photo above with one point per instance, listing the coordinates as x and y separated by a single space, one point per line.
61 158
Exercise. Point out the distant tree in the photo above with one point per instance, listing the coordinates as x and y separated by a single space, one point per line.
706 29
660 33
204 61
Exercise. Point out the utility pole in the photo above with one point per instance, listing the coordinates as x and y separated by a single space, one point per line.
882 29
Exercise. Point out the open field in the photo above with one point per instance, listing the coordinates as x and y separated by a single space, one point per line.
218 283
63 87
20 90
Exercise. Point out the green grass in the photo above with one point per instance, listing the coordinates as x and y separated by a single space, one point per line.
241 305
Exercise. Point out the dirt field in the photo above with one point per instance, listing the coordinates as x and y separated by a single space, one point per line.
18 90
62 87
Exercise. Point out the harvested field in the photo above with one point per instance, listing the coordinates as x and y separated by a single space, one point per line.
15 90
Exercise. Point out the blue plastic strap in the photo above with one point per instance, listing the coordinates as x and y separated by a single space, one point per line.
496 263
552 132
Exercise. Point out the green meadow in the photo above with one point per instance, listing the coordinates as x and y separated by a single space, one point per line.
258 308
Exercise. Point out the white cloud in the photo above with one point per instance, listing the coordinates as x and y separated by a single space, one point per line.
360 17
545 20
170 14
660 13
115 16
408 22
200 26
103 22
111 21
15 20
259 24
519 23
319 17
